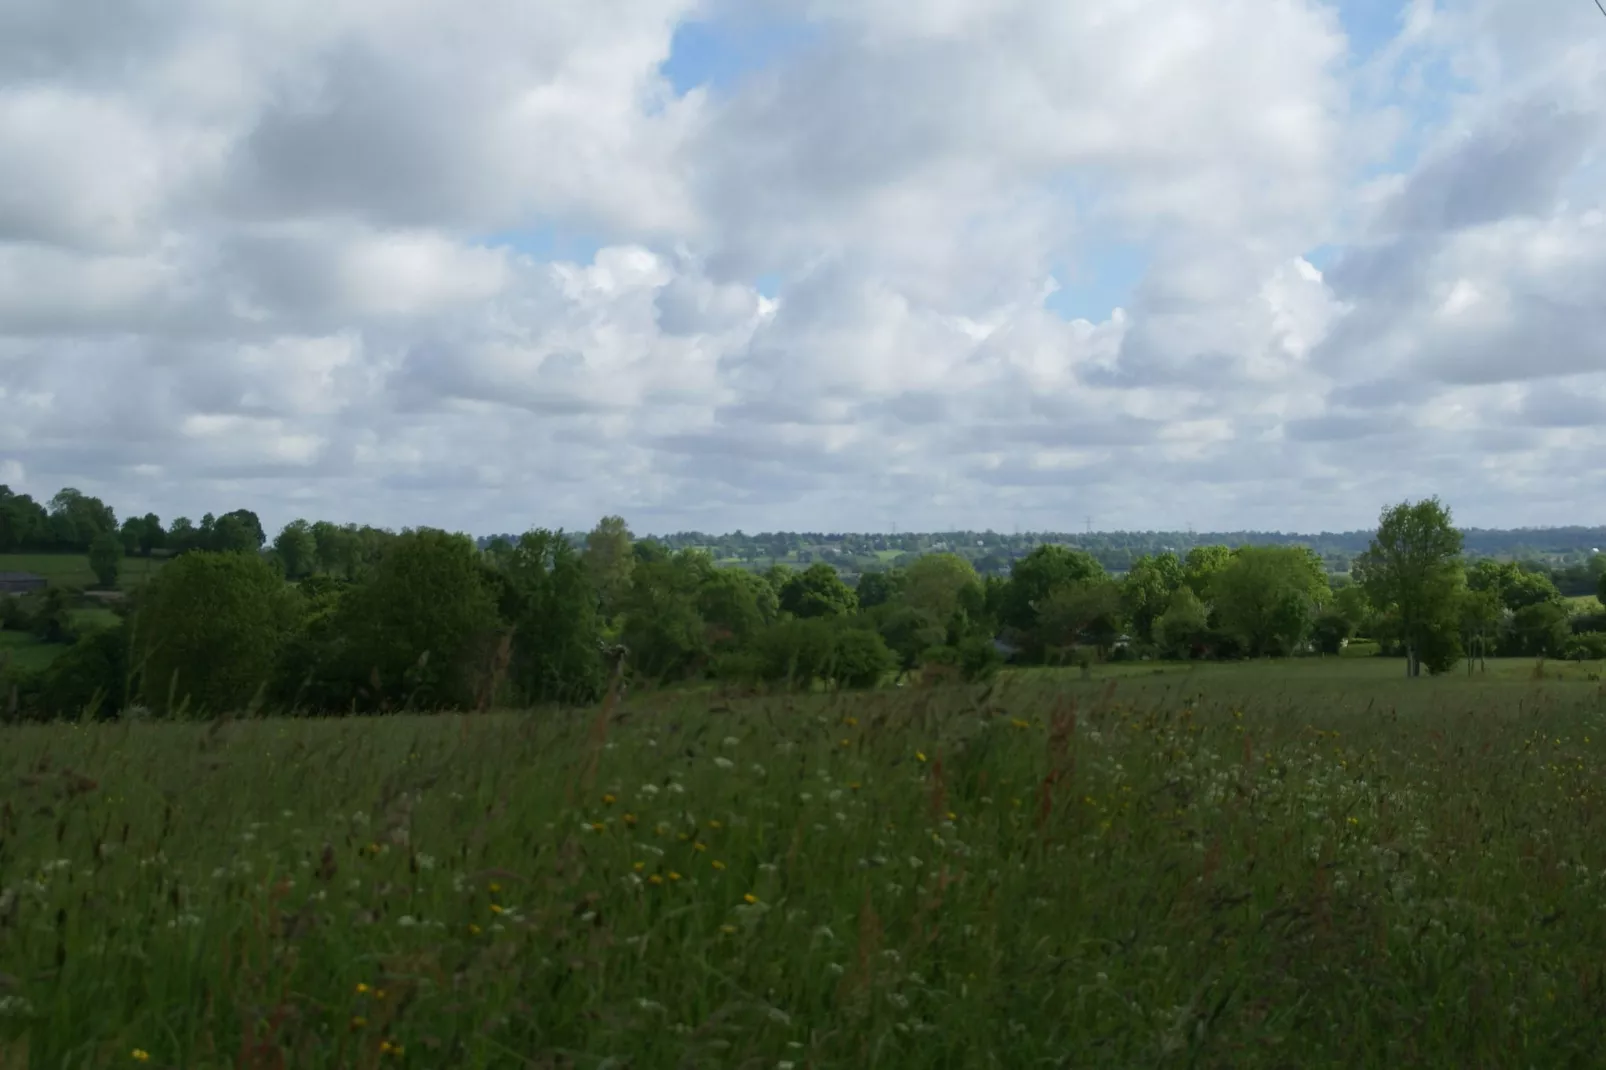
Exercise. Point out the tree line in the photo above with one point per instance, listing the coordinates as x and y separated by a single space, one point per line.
347 620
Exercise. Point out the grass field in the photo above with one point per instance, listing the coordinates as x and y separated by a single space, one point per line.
72 570
1314 863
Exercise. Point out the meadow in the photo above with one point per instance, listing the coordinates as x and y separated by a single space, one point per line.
72 570
1311 863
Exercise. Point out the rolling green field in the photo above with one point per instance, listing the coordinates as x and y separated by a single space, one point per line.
1312 863
72 570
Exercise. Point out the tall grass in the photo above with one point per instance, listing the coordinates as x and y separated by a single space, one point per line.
1216 870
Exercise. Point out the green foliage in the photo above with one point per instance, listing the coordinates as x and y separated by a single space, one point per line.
1540 629
49 615
1147 589
879 587
1413 570
1182 625
1035 578
940 585
609 560
106 558
1201 566
550 603
421 631
208 632
796 651
909 633
297 548
457 845
979 659
860 658
1330 630
1078 613
663 626
1266 597
817 591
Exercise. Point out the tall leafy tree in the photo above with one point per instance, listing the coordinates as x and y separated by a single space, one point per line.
1266 597
1036 577
1147 588
297 548
209 630
106 558
1413 570
610 559
817 591
419 630
939 584
550 603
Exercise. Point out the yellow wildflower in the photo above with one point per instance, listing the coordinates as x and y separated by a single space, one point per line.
640 866
750 899
920 755
674 876
140 1055
361 988
609 800
718 864
496 908
495 887
473 930
358 1022
700 846
655 879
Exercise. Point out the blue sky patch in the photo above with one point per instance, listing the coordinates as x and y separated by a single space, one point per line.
1099 281
719 53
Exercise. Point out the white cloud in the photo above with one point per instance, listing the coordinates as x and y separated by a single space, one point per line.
285 255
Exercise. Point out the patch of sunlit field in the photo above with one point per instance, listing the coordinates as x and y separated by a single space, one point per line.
1204 869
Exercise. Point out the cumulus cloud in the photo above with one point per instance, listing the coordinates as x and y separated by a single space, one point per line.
290 256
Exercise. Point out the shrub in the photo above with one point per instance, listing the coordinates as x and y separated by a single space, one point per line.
209 631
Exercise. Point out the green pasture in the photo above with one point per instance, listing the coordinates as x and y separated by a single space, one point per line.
1315 863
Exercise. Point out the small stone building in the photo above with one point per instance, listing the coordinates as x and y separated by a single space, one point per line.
21 583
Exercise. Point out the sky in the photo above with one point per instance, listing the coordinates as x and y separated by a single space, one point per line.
822 265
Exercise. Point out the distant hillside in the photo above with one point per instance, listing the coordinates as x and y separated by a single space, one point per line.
992 551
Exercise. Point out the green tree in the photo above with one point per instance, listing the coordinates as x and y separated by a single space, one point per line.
209 630
910 633
1266 597
1202 564
106 558
661 623
1478 613
297 548
1077 614
878 588
551 604
76 518
1413 570
1036 577
817 591
419 630
860 658
939 584
1182 625
24 523
1147 588
237 532
610 559
734 605
1541 629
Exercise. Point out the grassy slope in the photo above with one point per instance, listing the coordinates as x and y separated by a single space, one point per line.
1319 863
72 570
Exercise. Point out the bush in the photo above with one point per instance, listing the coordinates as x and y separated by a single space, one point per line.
209 631
1591 646
979 660
1361 648
860 658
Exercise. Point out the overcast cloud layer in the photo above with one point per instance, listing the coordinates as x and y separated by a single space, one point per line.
488 265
